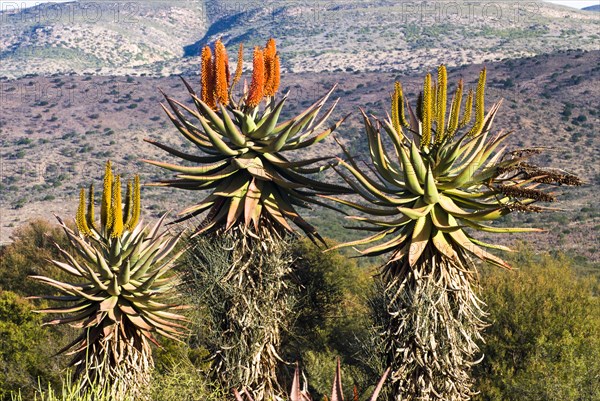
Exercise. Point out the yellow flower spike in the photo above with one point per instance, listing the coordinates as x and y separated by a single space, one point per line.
208 85
468 110
257 86
116 209
433 102
221 74
106 197
239 67
90 210
128 205
80 218
398 115
271 68
455 110
442 93
401 113
479 105
136 205
426 113
395 117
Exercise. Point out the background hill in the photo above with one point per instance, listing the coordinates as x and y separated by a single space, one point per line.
80 85
57 132
592 8
153 37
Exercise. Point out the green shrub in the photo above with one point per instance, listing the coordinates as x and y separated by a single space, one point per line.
331 318
26 348
543 342
181 374
27 255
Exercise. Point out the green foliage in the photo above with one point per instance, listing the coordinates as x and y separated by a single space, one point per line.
544 341
332 295
331 319
181 373
27 255
25 347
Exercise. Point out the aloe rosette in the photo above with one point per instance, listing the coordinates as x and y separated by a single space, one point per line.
433 179
243 148
119 297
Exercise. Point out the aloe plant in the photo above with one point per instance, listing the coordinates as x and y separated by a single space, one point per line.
442 181
254 192
242 147
121 290
299 391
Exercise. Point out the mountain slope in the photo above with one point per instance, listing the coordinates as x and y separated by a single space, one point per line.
56 132
367 35
110 38
592 8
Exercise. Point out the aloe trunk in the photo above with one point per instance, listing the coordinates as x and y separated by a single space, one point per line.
245 303
255 191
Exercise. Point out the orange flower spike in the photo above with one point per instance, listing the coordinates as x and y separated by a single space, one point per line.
270 55
221 70
277 76
257 86
227 72
207 81
239 67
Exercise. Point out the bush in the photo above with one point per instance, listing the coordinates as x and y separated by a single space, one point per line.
27 255
331 318
181 374
25 348
543 343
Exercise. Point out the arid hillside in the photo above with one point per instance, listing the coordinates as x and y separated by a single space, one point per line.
57 131
162 37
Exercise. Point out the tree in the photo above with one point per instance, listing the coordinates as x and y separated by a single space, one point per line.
426 199
255 191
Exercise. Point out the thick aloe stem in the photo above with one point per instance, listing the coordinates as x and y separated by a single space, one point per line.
241 281
433 321
120 365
